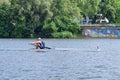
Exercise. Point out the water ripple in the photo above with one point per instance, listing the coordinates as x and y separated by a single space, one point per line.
90 77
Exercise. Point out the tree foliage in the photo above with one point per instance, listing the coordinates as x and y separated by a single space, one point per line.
117 17
51 18
88 7
107 8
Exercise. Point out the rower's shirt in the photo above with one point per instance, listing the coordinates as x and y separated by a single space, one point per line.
42 45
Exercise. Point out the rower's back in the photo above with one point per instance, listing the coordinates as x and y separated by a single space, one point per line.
42 45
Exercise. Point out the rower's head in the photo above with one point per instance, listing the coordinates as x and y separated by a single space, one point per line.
39 39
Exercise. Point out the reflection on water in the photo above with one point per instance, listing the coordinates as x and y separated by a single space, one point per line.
69 59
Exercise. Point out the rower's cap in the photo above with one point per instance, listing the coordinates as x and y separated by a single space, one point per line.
39 38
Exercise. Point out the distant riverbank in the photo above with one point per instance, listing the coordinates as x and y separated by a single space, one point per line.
101 31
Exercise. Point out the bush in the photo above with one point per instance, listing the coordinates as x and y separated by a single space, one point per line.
48 29
64 34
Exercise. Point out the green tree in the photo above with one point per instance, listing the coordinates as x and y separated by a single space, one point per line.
64 12
117 7
30 15
48 29
107 8
3 20
30 18
88 7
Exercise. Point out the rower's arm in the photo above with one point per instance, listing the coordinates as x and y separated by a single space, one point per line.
37 42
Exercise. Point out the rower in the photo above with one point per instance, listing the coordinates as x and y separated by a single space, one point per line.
40 44
37 43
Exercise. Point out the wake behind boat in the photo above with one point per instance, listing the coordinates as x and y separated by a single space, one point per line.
53 49
14 49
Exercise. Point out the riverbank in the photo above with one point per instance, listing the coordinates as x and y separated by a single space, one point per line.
101 31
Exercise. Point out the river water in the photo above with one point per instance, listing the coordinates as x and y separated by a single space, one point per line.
69 59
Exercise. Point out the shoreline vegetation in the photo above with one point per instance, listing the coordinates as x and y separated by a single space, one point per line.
53 19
